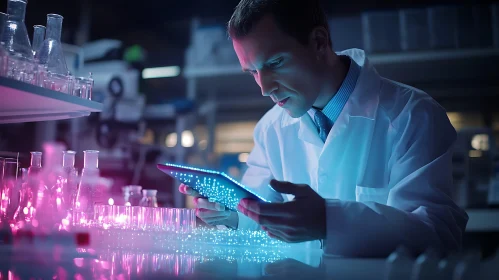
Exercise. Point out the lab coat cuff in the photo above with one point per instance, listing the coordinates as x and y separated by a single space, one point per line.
333 223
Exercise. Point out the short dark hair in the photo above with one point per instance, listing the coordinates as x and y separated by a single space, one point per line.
296 18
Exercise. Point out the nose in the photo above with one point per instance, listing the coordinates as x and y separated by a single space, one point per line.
267 83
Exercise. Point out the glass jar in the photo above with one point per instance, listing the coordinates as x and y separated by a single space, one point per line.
149 198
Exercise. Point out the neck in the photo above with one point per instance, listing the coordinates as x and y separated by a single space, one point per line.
336 71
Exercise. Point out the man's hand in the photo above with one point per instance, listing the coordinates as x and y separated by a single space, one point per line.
302 219
209 212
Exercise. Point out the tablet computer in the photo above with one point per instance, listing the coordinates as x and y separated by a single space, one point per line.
216 186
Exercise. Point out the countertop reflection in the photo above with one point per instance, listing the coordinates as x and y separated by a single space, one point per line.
209 262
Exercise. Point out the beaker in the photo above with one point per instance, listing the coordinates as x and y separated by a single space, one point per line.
132 195
38 37
83 87
36 163
149 198
15 35
51 53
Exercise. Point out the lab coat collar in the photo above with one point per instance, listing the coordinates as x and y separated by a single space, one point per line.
363 101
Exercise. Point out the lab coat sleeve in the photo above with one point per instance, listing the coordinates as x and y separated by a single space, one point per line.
420 212
258 174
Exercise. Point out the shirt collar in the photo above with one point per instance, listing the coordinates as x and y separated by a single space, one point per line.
334 107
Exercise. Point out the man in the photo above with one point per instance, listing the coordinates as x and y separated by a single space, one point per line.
363 162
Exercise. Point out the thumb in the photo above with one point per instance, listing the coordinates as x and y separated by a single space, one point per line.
289 188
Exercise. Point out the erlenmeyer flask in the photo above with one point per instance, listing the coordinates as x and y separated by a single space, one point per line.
51 53
15 35
38 37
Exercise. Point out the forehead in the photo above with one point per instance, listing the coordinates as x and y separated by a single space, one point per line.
265 40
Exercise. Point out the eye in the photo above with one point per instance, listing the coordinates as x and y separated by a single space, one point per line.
252 72
276 63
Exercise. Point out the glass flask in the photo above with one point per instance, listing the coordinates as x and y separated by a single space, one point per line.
70 180
51 53
15 35
83 87
149 198
49 209
36 163
132 195
9 189
89 192
38 37
29 188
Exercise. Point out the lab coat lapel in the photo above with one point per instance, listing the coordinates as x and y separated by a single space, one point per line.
308 131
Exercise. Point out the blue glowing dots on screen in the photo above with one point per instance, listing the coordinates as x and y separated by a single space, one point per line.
209 186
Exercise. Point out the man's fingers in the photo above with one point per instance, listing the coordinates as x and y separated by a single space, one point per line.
188 190
206 214
205 204
266 209
214 220
290 188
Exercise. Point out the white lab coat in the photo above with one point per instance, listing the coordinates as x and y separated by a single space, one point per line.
385 169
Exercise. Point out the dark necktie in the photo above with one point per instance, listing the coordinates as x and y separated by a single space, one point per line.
324 124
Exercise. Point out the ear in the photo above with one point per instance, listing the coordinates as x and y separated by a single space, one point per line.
319 41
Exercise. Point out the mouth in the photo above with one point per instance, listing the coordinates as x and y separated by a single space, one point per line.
282 102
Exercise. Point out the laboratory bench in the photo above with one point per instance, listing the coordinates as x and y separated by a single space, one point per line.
52 260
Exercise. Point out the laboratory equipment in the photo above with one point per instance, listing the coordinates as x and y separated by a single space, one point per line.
9 189
15 34
89 192
149 198
70 180
36 163
29 189
38 37
20 64
216 186
132 195
51 53
49 207
83 87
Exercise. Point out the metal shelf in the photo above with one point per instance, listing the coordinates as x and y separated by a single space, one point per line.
21 102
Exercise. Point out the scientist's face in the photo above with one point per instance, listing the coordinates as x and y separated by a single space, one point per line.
287 71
